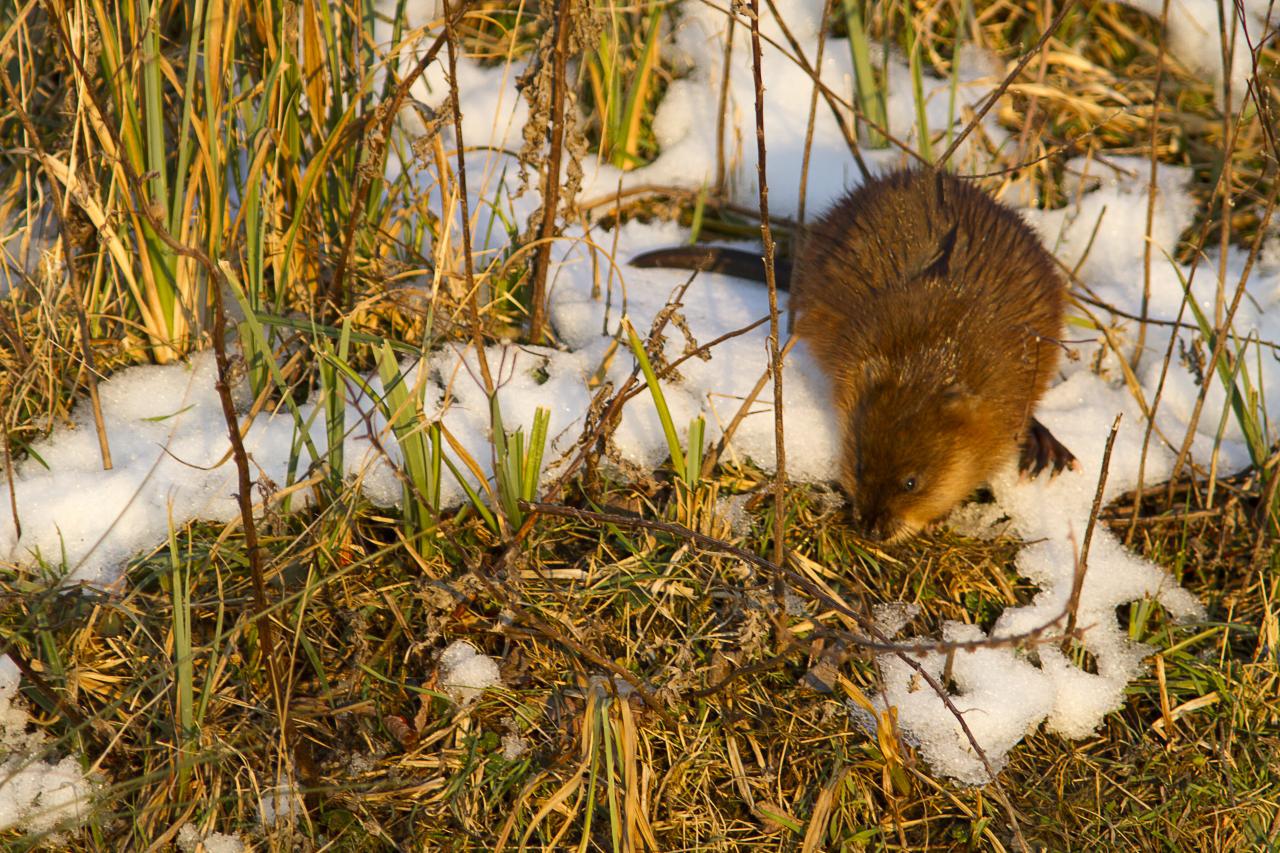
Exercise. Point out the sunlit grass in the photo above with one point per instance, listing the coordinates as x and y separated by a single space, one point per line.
253 134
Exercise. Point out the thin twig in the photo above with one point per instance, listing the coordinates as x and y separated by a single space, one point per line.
563 16
808 130
1177 324
770 277
1140 343
9 479
873 640
1266 516
1004 84
244 488
1043 10
714 454
800 581
676 192
217 278
997 789
702 350
1222 329
473 296
815 74
722 113
546 629
1082 564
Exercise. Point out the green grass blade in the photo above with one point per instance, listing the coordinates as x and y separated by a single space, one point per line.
254 342
659 400
917 89
869 93
533 462
404 414
693 460
473 496
1245 416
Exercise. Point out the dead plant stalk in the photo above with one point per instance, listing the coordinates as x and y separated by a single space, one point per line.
770 276
473 295
1082 565
551 176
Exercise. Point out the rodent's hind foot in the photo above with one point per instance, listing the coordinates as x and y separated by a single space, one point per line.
1041 450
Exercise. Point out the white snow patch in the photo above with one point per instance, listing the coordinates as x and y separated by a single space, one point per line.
279 803
37 794
190 838
1000 695
168 437
1195 36
465 673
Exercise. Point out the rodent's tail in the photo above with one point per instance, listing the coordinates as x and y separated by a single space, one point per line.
733 262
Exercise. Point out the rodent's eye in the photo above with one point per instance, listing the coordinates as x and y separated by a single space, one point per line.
909 484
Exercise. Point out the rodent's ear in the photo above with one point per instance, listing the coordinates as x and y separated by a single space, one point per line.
939 264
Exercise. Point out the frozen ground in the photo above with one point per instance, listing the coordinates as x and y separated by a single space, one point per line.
170 448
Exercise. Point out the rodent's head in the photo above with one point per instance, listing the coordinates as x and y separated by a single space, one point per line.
910 456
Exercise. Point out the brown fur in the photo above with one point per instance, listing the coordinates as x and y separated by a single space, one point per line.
936 312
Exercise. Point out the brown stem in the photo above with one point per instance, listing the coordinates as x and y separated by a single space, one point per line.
770 277
808 130
244 491
473 296
551 177
714 454
44 688
997 789
13 492
1168 356
722 113
815 74
1222 331
1266 516
1141 341
217 279
1043 11
1082 566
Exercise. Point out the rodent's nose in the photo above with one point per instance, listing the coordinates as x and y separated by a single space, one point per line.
874 523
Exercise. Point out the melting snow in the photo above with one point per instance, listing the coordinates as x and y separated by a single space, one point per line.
170 449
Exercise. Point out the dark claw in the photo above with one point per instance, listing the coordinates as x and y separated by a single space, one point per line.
1041 450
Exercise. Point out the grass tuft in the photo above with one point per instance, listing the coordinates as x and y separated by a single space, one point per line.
656 695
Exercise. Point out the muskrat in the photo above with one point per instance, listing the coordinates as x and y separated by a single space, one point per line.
936 312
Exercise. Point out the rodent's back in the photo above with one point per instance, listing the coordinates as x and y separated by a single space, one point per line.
863 269
936 310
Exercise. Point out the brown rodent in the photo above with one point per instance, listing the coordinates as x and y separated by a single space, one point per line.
936 312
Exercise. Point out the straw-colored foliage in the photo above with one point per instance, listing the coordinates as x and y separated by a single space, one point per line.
658 695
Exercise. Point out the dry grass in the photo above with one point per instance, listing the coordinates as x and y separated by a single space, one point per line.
733 741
